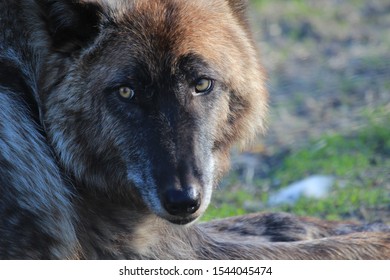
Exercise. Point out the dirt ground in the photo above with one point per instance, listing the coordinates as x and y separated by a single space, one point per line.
328 62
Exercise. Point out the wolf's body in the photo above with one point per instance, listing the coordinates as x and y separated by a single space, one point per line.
116 120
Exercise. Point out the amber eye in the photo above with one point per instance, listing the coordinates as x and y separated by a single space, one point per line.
203 86
126 93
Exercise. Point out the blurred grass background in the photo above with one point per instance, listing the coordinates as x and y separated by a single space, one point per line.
329 79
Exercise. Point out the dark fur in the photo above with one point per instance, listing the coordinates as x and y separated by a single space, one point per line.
84 174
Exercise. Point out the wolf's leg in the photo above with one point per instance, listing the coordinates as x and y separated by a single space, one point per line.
283 227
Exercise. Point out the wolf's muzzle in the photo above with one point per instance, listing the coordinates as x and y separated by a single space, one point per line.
183 202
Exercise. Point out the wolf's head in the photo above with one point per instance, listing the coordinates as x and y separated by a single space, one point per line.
143 99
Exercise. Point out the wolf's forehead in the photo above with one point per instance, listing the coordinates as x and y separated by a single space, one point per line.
161 7
160 27
172 20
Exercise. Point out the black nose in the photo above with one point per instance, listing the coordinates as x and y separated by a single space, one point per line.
182 202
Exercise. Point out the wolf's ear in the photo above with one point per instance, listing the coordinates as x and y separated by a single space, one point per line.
239 10
71 24
238 6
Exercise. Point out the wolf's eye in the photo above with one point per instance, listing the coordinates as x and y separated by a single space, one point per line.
126 93
203 86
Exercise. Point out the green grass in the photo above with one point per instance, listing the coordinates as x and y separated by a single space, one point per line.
230 203
343 203
360 160
300 7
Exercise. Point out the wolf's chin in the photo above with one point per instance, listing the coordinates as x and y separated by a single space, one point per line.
183 221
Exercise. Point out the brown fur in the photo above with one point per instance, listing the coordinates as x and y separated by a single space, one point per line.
112 163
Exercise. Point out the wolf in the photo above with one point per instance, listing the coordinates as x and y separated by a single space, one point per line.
116 121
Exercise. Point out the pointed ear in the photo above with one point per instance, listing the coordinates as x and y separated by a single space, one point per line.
71 24
239 9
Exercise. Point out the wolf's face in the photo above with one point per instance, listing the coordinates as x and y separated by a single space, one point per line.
152 104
